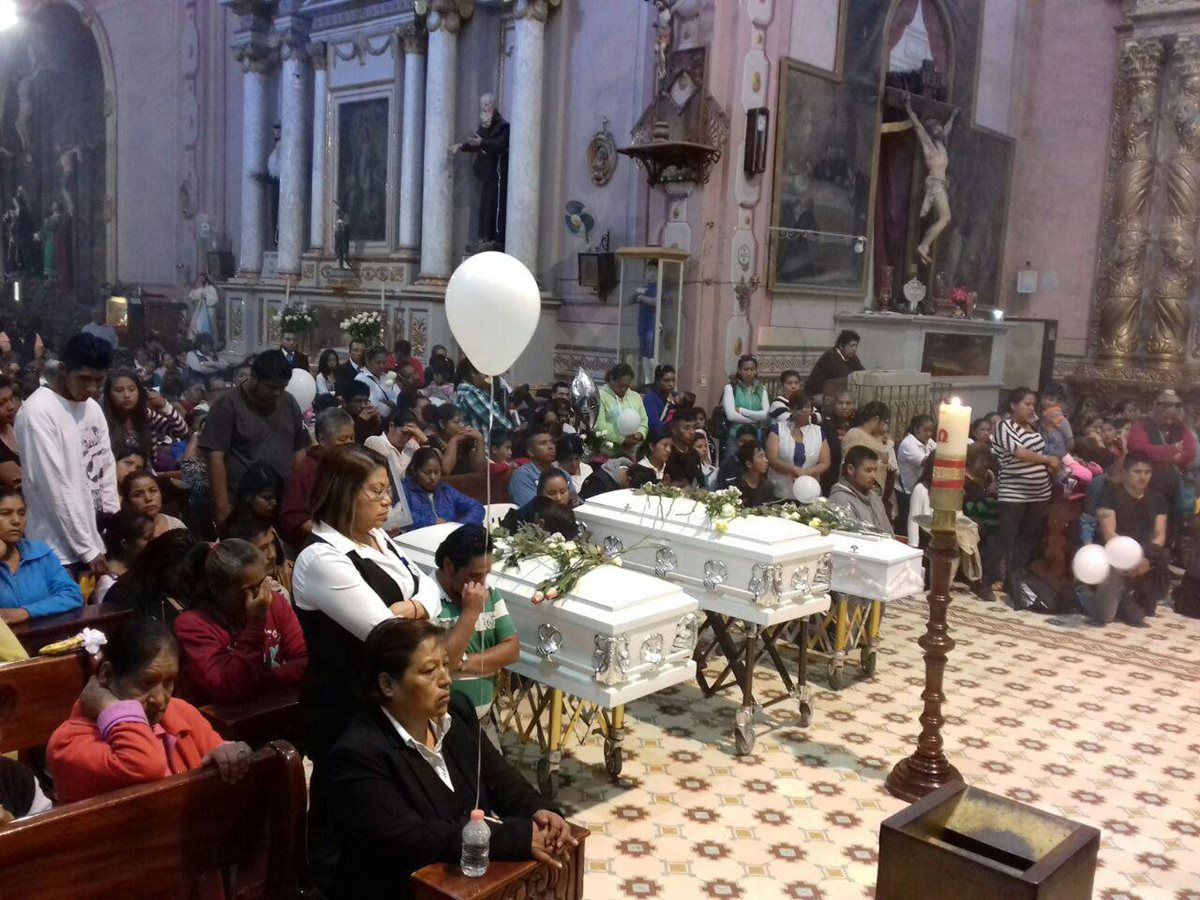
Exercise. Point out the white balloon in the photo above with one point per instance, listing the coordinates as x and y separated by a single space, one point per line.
303 387
1090 565
628 422
492 304
1123 553
806 489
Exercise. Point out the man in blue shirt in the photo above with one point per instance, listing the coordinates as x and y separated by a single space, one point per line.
522 487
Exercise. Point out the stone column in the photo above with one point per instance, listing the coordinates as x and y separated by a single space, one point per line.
316 226
293 147
1170 314
257 59
1128 202
412 141
525 133
443 22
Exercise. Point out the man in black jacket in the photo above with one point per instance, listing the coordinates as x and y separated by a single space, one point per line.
348 371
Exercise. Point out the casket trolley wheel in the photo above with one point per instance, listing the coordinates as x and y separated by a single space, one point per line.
868 662
613 758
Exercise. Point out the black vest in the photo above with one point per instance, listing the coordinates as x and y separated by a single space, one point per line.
335 685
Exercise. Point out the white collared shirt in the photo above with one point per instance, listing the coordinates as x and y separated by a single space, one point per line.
326 580
382 397
432 756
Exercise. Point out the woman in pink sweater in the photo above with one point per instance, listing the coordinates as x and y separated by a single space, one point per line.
242 638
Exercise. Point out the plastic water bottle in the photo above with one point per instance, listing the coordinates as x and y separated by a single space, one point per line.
476 841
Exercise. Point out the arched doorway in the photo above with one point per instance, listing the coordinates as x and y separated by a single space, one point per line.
57 147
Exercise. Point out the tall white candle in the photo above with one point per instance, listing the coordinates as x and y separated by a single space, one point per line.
950 463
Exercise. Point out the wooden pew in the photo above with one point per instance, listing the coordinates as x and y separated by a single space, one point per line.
273 716
36 697
34 634
505 880
474 486
155 840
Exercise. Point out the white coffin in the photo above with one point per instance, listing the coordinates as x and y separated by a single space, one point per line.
762 570
875 567
616 637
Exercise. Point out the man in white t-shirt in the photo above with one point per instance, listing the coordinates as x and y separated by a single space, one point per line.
68 472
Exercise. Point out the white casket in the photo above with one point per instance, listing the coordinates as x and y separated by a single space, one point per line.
616 637
875 567
761 569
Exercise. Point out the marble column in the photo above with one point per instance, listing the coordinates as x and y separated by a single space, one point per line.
443 22
412 141
525 134
257 60
293 150
316 226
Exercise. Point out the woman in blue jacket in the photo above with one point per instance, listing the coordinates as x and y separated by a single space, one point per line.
33 582
431 500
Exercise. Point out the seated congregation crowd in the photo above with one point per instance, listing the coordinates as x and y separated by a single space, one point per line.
280 568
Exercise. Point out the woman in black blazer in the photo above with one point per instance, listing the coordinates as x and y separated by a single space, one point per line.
402 778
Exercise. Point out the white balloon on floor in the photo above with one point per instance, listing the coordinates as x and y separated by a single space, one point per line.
492 304
1123 553
628 422
303 387
806 489
1090 564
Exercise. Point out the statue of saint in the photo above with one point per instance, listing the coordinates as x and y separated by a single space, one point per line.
203 300
490 144
20 252
341 238
664 35
933 138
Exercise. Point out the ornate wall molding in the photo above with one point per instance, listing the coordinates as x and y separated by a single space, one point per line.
534 9
414 38
602 155
1119 291
255 53
363 46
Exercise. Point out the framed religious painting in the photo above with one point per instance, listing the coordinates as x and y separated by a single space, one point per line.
825 146
362 187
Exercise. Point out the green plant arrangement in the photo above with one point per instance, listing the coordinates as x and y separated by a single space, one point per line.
572 559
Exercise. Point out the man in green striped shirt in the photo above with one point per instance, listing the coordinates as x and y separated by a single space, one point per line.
481 638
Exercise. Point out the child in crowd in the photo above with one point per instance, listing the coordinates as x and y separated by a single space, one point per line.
129 460
125 536
501 460
1054 426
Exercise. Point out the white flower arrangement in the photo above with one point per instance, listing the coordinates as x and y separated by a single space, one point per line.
364 326
297 318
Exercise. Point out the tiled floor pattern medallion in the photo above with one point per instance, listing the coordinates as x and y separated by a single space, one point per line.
1099 725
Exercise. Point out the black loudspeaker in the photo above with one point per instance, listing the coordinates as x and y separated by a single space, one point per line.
757 121
220 265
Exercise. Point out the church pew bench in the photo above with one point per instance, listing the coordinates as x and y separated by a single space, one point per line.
158 839
474 486
36 696
34 634
273 716
505 880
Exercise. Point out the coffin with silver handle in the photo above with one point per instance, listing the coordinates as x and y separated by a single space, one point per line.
619 635
875 567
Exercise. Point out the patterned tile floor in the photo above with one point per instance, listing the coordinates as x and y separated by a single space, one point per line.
1098 725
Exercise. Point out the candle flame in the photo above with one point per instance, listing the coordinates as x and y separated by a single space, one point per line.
955 401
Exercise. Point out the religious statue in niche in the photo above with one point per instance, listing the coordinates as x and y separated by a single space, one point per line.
664 36
933 138
55 238
490 144
19 251
341 238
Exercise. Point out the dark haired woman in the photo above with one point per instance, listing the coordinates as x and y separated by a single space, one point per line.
10 454
327 372
914 449
616 397
796 447
137 417
140 494
789 391
403 776
125 536
744 399
660 399
1023 489
266 540
241 638
127 729
553 490
349 578
33 582
259 494
835 365
161 578
431 500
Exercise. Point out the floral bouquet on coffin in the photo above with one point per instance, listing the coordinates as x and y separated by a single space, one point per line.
296 318
572 559
364 326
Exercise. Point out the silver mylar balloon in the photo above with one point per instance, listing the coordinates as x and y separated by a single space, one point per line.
585 398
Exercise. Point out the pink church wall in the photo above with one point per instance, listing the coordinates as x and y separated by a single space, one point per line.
1062 146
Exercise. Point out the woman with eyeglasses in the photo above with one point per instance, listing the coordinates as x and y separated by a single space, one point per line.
348 579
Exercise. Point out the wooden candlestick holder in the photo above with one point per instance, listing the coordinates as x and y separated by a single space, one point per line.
928 769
